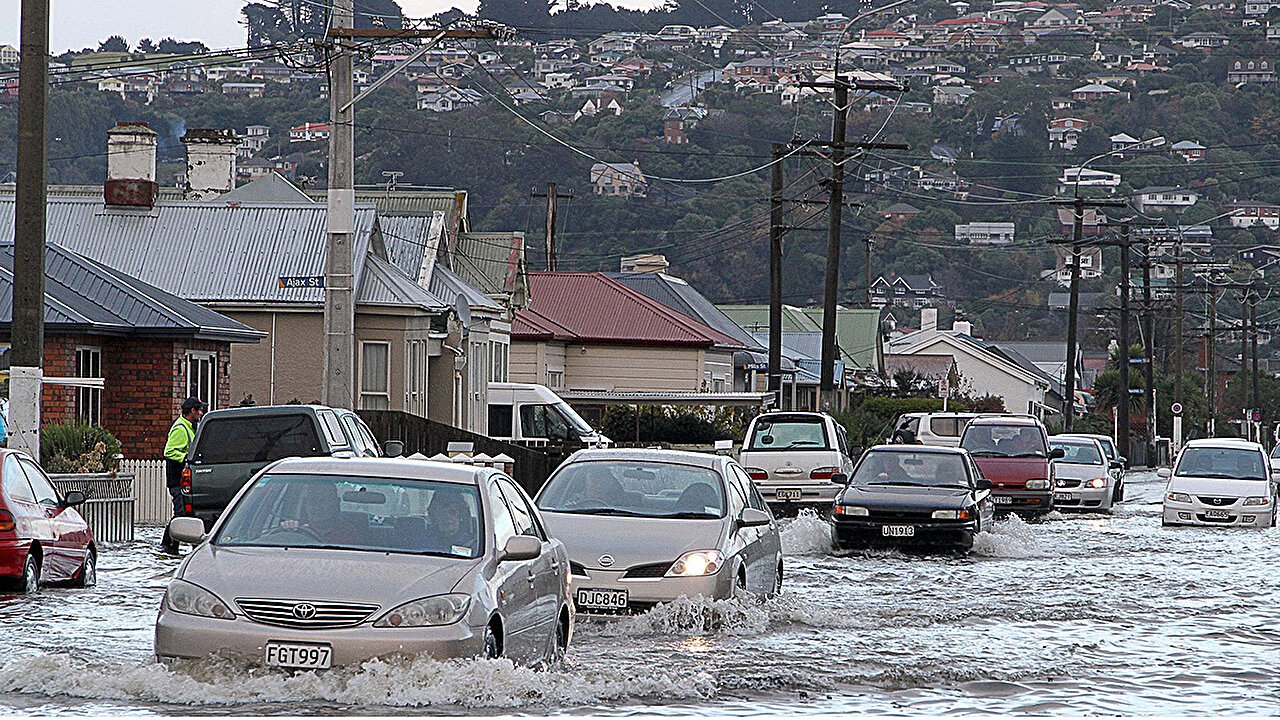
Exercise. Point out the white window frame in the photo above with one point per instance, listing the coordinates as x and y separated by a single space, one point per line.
210 379
385 393
89 400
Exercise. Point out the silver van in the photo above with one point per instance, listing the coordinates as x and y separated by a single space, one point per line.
797 458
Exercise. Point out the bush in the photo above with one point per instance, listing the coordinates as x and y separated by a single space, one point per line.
73 448
681 426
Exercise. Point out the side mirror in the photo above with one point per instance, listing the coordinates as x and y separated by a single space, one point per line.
840 478
1164 473
393 448
983 484
73 498
521 547
751 517
187 530
1117 464
1057 454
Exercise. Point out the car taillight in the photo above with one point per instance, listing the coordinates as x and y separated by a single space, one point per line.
6 522
757 473
186 491
822 473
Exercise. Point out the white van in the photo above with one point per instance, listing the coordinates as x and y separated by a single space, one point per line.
942 428
532 414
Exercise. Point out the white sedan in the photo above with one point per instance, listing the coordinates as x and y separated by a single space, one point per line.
1220 482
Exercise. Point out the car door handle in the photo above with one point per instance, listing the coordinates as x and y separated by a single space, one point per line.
555 564
532 578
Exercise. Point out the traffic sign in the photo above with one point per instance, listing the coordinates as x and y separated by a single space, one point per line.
1176 408
1136 391
1257 415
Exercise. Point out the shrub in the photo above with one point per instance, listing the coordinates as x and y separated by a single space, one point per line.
74 448
682 426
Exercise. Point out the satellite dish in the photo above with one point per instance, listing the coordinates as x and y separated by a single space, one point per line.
463 309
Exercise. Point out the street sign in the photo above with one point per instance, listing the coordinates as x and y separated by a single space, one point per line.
1257 415
1138 361
1136 391
1176 408
944 387
301 281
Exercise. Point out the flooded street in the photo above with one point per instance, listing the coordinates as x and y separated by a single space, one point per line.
1074 615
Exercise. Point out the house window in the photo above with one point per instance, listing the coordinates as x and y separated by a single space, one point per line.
202 377
375 373
415 377
89 400
555 378
499 361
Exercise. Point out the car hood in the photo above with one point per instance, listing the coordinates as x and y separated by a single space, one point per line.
1218 487
1012 471
1077 471
905 497
631 541
316 574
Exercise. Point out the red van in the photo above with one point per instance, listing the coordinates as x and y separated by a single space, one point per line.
1012 451
42 538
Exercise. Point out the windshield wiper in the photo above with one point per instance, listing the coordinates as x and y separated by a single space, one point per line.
986 453
598 511
688 516
901 482
1028 455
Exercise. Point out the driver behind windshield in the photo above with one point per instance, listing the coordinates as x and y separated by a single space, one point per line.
599 490
451 527
882 467
320 514
1023 444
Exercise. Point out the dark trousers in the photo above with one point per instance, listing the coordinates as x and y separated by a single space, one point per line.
175 493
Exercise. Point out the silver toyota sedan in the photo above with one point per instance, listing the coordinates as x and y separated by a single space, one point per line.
648 526
331 561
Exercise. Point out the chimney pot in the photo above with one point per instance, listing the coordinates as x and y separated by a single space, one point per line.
131 166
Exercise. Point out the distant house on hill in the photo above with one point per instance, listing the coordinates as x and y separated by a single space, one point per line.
618 180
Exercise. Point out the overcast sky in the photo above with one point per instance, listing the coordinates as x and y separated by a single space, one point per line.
84 23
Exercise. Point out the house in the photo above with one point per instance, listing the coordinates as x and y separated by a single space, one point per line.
1050 356
952 94
910 290
9 55
244 89
1189 150
310 132
448 98
1087 177
148 348
1064 132
899 212
1251 71
1156 198
1246 213
1259 8
985 233
254 139
983 369
618 179
1093 222
677 121
1096 91
1203 40
1090 263
1121 142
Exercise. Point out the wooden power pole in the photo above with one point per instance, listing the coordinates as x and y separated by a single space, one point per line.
553 204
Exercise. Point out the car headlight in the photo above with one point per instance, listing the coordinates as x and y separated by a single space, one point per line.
1178 497
427 612
1038 484
951 514
188 599
850 511
1256 501
1096 483
697 564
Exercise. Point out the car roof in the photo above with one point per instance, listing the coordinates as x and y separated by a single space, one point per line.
1090 436
1226 443
1004 420
268 410
682 457
1075 439
393 468
791 413
934 449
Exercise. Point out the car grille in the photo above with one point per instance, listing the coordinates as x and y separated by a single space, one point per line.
577 569
1218 501
305 614
900 515
654 570
1068 483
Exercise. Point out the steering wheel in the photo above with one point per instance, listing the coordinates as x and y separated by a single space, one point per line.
300 530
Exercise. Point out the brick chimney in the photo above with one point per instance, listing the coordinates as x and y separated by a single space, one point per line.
131 166
211 162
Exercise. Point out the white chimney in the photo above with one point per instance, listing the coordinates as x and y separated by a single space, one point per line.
964 327
929 319
131 166
211 162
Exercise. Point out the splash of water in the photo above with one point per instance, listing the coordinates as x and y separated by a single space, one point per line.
806 534
1011 537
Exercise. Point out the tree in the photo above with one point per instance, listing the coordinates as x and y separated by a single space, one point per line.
146 46
115 43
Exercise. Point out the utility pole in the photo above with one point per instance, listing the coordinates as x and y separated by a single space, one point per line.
27 329
1178 348
1212 390
339 274
775 273
1253 346
1149 344
1244 356
1122 409
553 199
831 278
867 272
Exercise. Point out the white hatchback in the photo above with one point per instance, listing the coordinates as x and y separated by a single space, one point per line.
1220 482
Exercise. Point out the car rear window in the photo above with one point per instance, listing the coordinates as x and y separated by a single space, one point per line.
257 438
947 426
793 433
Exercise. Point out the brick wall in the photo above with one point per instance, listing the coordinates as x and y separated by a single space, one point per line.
58 404
141 398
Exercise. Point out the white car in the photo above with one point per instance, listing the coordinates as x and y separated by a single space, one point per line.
1275 460
797 458
1116 460
1082 476
941 429
1220 482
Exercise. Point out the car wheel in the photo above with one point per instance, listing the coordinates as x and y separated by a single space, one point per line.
30 575
560 643
777 583
88 575
492 645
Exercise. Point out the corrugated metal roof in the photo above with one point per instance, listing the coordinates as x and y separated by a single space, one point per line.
272 187
445 284
411 239
84 296
683 298
492 261
423 201
592 307
205 252
383 284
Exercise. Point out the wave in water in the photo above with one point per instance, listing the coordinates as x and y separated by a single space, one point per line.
1010 537
806 534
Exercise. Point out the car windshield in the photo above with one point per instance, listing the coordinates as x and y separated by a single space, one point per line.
1108 447
1078 453
356 513
926 469
1013 441
636 489
789 433
1275 452
1225 463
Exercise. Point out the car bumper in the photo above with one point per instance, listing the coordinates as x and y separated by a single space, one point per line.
1026 502
644 593
13 555
1197 514
189 636
870 533
1082 498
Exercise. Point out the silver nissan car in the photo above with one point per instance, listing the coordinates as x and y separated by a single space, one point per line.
331 561
648 526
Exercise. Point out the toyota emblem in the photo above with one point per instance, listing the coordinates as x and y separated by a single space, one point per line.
606 561
304 611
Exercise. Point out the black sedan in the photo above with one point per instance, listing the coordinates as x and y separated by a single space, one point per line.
913 495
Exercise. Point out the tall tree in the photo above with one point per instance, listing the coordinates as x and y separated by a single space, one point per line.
115 43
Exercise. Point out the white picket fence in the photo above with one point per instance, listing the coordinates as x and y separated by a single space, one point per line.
151 505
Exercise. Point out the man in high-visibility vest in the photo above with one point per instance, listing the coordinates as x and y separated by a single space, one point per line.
181 435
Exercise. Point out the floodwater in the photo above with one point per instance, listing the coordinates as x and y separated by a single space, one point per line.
1085 614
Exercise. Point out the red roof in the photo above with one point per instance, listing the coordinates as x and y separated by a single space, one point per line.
592 307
